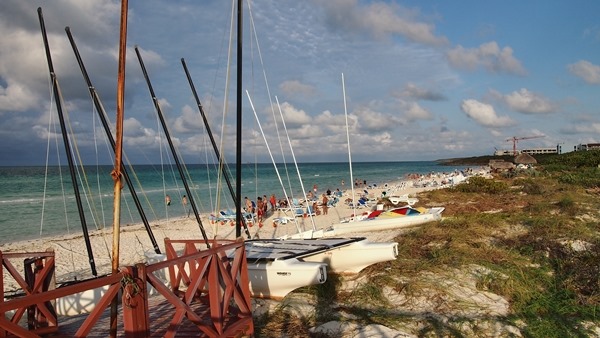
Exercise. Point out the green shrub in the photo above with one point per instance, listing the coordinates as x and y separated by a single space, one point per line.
530 187
575 159
585 177
480 184
567 205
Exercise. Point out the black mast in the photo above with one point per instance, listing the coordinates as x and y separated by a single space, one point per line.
238 155
175 157
65 138
214 145
105 124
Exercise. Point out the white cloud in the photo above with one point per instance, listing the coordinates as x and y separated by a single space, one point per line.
415 112
296 88
370 121
23 65
380 19
294 117
136 135
489 56
412 91
17 97
582 128
189 120
484 114
585 70
528 102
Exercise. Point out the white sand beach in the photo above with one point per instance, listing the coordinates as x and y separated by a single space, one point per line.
72 259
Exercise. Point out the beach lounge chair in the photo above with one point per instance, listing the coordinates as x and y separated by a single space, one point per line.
360 203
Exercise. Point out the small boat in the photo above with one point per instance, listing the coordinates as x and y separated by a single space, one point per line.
274 279
83 302
342 255
269 277
376 220
277 267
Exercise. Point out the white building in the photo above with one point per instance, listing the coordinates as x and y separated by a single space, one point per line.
537 151
587 146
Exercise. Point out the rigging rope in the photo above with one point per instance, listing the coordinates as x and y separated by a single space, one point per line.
255 35
268 149
295 162
83 176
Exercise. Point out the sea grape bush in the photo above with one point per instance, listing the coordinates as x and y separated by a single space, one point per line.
573 160
478 184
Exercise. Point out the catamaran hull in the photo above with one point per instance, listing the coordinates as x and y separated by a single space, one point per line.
351 259
342 255
369 225
275 279
79 303
268 279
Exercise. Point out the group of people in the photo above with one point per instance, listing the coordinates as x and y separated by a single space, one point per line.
360 183
324 206
261 207
184 202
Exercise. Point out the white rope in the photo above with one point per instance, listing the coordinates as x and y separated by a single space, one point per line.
225 105
46 167
267 144
269 95
295 163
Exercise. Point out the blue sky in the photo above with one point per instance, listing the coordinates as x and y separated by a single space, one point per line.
424 80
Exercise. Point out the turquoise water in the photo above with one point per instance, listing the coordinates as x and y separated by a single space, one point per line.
38 202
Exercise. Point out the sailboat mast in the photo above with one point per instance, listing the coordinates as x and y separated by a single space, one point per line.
105 124
214 145
116 173
65 137
238 154
349 151
172 147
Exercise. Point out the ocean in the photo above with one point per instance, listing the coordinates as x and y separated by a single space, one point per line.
39 202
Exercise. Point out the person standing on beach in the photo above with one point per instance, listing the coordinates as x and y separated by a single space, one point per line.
259 210
324 205
249 207
184 201
168 200
273 201
265 205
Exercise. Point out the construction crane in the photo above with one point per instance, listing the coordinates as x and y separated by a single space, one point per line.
516 139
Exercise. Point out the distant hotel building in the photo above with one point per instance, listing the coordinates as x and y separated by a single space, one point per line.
537 151
530 151
587 146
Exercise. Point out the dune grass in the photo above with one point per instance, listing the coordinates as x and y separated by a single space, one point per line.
536 235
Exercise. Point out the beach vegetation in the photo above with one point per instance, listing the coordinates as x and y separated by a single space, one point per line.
529 245
482 185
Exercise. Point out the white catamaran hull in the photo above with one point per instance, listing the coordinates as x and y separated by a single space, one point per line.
368 225
79 303
275 279
268 279
342 255
353 258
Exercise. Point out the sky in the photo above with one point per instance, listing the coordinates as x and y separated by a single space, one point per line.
402 80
